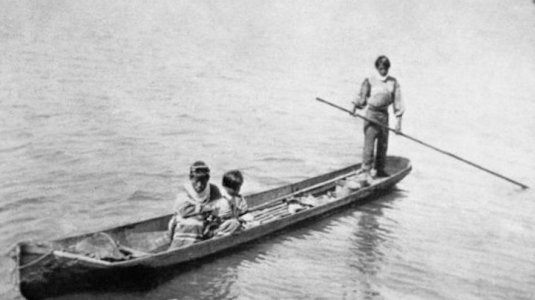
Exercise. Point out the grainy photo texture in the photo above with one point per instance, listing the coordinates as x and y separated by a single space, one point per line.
247 149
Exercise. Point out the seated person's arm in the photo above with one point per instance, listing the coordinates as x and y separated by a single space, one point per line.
243 210
188 209
241 205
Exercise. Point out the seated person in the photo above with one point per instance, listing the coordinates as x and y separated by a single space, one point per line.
191 213
232 207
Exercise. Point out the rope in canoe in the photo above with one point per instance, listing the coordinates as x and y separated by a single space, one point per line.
13 252
35 261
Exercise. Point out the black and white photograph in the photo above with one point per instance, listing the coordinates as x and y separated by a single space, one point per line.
267 149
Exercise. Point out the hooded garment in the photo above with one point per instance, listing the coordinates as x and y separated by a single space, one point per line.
194 202
187 226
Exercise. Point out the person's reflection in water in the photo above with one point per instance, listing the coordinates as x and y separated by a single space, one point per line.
370 238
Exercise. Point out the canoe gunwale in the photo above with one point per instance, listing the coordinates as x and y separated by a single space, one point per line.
250 234
269 227
81 257
275 201
111 229
64 272
264 227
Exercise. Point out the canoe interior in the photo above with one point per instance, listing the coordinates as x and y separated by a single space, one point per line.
59 271
144 231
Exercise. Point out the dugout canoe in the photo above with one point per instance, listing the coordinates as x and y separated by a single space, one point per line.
50 269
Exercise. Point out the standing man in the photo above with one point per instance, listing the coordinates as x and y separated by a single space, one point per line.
377 93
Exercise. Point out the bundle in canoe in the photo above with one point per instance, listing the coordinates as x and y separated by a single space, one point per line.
93 260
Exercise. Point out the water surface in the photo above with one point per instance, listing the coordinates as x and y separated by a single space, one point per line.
103 106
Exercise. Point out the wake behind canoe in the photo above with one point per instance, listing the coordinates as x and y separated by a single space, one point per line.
55 267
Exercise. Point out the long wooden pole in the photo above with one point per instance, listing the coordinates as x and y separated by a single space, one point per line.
426 144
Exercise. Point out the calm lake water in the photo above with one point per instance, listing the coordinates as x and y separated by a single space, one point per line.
104 104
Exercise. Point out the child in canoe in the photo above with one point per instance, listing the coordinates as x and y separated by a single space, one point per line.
192 212
232 208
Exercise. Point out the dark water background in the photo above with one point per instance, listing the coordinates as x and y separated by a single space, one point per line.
104 104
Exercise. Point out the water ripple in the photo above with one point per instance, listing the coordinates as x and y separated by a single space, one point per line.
103 106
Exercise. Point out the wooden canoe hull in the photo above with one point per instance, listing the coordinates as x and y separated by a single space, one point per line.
55 272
